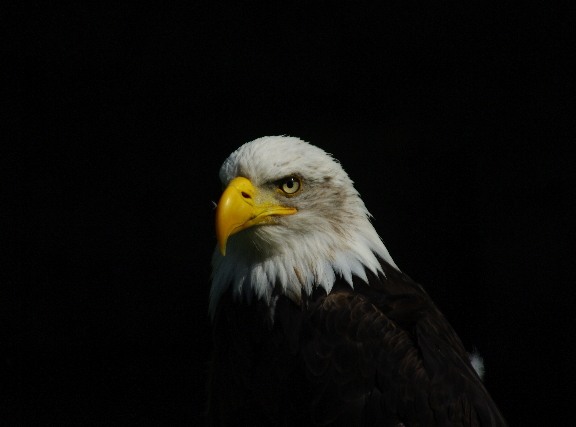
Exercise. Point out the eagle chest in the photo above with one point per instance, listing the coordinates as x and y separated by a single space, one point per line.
257 370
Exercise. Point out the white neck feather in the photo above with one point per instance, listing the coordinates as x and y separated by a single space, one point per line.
313 260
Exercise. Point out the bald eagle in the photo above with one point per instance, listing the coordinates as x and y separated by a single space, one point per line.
313 322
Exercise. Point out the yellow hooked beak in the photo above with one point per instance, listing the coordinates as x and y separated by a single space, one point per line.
237 210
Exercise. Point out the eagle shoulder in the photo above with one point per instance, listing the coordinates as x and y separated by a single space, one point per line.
376 353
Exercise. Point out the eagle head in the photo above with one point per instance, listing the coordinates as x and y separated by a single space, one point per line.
289 216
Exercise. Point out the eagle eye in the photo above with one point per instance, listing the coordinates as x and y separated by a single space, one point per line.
290 186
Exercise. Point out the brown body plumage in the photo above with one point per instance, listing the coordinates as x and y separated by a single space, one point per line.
378 354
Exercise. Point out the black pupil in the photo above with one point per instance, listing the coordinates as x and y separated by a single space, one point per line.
290 183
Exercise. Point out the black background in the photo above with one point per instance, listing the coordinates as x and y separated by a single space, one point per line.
454 121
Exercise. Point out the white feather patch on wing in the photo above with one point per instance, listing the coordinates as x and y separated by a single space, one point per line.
477 363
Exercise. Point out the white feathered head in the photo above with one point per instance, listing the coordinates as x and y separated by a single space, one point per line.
289 216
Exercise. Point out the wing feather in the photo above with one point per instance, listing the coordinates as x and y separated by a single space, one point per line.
389 337
372 354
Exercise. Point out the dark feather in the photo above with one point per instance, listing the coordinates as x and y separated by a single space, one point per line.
375 354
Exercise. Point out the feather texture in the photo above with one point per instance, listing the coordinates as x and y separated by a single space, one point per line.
377 351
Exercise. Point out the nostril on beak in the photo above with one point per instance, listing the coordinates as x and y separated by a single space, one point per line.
246 195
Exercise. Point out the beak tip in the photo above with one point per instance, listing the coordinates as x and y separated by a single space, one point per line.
223 249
